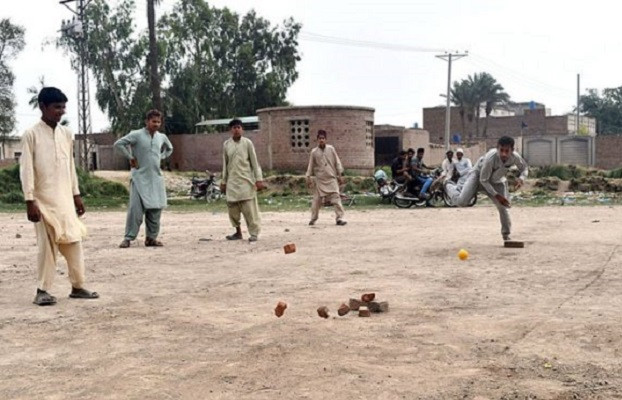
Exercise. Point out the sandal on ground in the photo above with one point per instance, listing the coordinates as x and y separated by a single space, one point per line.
234 236
43 298
125 244
83 294
341 222
252 238
153 243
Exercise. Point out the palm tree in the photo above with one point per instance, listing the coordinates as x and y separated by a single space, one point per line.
152 61
493 95
461 96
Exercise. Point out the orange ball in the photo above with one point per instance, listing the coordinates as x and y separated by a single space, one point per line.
463 254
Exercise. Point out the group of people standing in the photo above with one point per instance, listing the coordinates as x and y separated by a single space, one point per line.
54 204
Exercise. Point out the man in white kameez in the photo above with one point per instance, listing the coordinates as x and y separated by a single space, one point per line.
462 165
241 179
489 175
326 168
53 201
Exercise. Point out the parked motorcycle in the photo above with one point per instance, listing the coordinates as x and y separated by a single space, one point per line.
205 188
385 188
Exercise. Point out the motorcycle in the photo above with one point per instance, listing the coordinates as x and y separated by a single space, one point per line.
385 188
205 188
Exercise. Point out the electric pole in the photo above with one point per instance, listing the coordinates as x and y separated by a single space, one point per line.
75 29
449 57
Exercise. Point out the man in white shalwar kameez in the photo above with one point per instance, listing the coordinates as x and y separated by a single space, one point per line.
241 179
53 201
326 168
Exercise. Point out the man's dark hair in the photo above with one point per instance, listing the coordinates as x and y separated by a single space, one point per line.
411 150
506 141
321 132
420 150
234 122
153 113
401 153
449 152
49 95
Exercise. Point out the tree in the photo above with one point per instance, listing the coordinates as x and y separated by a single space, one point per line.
116 56
214 62
462 97
479 89
11 44
154 75
492 95
606 109
221 64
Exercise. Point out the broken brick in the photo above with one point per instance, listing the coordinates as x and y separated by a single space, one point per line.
343 309
367 297
280 309
323 312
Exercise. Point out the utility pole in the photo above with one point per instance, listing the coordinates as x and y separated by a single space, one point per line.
578 101
75 30
449 57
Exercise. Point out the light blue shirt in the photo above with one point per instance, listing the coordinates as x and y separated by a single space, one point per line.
148 151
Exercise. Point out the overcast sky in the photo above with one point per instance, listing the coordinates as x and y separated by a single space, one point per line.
534 48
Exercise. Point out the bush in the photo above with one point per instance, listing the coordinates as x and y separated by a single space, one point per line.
90 186
615 173
563 172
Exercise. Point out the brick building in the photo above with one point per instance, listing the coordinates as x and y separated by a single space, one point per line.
530 122
285 138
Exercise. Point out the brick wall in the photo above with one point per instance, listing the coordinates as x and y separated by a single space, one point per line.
537 124
200 152
608 151
350 131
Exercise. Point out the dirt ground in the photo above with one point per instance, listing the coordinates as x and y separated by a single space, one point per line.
194 320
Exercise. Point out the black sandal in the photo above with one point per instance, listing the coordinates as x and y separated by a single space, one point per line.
83 294
43 298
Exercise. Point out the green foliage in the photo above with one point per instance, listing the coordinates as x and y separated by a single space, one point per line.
213 63
11 43
221 64
607 109
563 172
615 173
10 185
471 93
92 188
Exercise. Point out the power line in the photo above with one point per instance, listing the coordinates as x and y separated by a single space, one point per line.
315 37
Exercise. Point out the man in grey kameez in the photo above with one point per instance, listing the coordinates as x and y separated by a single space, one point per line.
326 168
489 175
147 190
241 179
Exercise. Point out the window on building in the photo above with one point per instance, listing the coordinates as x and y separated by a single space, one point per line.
369 133
299 132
